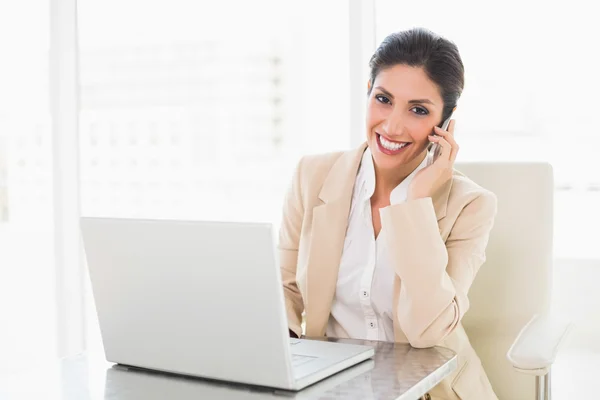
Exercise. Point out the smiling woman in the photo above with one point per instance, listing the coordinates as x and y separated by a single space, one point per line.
415 83
383 242
399 126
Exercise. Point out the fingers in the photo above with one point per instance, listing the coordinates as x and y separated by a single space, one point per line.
449 137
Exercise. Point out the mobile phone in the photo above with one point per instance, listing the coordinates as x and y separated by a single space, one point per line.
436 148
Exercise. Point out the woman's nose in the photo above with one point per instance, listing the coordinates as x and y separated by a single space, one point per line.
393 125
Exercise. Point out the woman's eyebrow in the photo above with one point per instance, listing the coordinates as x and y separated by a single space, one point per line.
388 94
391 96
427 101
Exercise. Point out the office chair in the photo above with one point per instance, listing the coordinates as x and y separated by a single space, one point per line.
509 323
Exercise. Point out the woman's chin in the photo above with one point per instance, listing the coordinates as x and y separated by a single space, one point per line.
386 161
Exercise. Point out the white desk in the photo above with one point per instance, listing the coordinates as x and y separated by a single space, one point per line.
397 371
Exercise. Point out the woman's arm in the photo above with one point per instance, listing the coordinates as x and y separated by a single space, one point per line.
435 277
289 238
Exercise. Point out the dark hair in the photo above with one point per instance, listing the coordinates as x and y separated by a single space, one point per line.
419 47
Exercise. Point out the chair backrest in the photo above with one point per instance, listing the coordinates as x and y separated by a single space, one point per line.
516 280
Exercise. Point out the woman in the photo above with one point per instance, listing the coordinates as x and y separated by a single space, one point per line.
383 242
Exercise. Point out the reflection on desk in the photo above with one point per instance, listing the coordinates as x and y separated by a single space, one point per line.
397 371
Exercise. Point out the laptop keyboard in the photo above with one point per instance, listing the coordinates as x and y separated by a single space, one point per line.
298 360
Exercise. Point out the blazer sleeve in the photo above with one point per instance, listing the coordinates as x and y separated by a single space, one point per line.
289 238
435 277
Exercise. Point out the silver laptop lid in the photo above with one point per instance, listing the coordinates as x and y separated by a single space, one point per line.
198 298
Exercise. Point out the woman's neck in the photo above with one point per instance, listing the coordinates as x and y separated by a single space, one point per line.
386 180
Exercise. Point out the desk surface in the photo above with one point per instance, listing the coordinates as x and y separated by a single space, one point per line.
397 371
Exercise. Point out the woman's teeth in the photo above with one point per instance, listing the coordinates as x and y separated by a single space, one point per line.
392 146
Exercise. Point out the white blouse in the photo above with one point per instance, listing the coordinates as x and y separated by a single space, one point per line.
362 306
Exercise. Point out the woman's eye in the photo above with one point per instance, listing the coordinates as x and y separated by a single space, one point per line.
420 110
382 99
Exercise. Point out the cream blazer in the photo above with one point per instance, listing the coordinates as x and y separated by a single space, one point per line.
437 245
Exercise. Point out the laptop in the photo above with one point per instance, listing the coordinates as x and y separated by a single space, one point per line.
203 299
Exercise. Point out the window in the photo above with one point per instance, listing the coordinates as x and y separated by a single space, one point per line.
201 110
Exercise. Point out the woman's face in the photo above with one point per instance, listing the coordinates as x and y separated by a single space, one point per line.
402 109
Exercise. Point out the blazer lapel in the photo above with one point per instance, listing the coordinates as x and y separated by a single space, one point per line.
329 224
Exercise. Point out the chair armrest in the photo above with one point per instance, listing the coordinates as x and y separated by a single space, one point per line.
535 348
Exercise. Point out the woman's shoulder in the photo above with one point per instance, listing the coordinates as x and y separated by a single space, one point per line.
325 173
314 168
464 191
320 162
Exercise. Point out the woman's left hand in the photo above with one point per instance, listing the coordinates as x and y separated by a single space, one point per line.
431 178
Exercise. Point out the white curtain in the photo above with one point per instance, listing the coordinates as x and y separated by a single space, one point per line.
27 278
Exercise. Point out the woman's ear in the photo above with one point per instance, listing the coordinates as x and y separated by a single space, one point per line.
369 86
